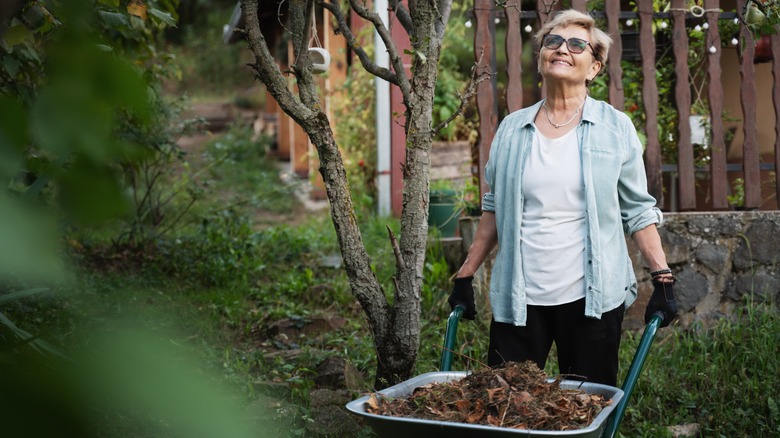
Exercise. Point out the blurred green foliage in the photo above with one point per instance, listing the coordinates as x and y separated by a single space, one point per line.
82 124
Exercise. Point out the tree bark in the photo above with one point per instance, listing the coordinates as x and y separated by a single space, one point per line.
395 326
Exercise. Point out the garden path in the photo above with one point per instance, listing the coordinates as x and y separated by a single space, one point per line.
218 116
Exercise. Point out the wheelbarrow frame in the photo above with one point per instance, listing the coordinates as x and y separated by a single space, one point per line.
629 383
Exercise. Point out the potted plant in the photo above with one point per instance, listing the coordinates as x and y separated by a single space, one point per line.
444 207
762 19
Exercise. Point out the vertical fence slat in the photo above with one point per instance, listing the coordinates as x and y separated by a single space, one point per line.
543 11
682 94
616 94
650 100
718 176
543 16
747 91
514 53
580 5
776 102
487 106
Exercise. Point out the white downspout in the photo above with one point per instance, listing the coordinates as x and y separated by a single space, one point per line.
382 59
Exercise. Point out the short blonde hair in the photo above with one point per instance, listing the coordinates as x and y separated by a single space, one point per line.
599 40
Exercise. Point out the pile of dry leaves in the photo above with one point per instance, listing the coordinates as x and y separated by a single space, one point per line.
515 396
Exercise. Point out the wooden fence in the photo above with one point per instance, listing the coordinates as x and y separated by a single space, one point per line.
678 185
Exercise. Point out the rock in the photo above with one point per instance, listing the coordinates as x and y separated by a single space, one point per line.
690 289
677 247
335 372
759 245
685 430
725 224
712 256
763 287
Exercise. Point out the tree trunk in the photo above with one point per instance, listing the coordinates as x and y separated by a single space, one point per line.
395 326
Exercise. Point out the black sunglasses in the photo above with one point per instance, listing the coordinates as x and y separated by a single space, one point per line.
575 45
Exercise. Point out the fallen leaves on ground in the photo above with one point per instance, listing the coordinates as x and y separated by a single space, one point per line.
517 395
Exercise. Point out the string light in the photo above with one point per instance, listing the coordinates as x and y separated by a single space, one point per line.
467 24
528 28
697 28
629 22
734 42
497 20
713 49
706 25
663 25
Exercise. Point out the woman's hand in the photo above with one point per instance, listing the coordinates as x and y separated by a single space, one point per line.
663 298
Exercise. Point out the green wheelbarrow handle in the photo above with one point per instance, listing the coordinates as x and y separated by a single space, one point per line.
449 337
633 374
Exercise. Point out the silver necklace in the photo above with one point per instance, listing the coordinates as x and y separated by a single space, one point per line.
558 125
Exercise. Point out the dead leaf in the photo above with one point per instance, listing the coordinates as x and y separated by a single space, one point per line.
137 8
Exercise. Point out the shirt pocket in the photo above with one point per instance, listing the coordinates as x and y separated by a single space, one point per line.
606 165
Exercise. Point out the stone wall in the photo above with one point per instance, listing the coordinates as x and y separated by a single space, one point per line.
719 258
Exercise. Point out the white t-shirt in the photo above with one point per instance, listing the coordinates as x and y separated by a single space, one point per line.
553 227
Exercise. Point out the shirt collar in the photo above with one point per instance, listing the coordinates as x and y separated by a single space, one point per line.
588 112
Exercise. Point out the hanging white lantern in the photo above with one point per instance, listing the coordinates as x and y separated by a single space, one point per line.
320 59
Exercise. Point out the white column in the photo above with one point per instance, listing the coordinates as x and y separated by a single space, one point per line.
383 120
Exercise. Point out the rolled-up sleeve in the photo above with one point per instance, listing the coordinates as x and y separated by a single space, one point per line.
637 207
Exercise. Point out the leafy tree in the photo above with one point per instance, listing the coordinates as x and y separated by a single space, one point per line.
77 106
394 323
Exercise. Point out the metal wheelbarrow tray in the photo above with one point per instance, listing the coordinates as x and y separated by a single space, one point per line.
605 424
389 426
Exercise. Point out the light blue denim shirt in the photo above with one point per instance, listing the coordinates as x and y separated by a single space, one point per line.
616 200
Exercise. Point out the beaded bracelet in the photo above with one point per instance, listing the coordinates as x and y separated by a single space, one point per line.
660 272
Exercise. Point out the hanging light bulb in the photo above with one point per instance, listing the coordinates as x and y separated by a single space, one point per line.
734 42
713 49
497 20
697 28
706 25
663 25
467 24
629 22
528 28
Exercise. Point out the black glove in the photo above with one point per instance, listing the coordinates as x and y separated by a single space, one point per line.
662 300
463 293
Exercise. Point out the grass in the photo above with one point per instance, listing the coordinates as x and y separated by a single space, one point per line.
724 377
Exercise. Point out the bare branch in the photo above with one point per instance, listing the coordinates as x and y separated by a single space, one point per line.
384 33
479 73
352 43
266 68
301 21
444 8
399 260
402 14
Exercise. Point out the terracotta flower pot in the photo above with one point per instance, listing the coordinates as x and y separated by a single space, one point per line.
763 51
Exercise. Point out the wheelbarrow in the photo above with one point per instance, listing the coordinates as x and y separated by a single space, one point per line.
605 425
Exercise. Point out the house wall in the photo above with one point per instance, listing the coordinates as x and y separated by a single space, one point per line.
765 114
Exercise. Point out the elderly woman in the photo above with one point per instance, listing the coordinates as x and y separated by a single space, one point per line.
566 183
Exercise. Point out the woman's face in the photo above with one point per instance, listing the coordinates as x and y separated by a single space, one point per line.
562 65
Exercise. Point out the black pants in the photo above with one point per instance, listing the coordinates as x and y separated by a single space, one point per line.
587 348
